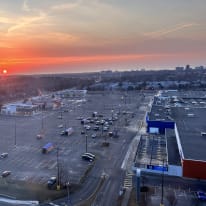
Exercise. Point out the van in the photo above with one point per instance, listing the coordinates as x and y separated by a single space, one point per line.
4 155
203 133
51 182
87 158
47 148
90 154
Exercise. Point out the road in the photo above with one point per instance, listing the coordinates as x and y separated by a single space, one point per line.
115 175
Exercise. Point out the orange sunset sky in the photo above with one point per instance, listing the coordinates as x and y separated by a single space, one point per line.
54 36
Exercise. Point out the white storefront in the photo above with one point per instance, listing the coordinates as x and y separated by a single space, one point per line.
19 109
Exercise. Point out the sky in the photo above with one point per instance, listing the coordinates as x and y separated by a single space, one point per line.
55 36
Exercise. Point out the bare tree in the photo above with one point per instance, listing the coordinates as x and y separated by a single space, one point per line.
171 197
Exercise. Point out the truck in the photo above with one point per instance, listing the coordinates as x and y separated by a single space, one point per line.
47 148
69 131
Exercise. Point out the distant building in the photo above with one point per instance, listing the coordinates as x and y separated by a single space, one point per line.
188 68
19 109
179 69
71 93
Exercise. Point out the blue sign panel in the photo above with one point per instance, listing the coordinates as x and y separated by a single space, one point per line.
157 167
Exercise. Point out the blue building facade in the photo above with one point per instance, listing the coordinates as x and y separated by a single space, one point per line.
158 126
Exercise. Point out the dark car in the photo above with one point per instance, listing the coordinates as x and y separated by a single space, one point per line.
87 158
4 155
96 128
6 173
64 133
51 182
110 134
201 195
82 132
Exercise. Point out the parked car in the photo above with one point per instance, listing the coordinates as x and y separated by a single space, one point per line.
105 129
5 173
82 132
39 136
63 133
201 195
87 127
51 182
87 158
90 154
110 134
94 136
4 155
96 128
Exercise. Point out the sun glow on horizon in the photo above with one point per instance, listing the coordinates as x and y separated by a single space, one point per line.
4 71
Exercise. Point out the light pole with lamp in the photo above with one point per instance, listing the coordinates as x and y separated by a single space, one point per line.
162 184
58 170
68 191
112 113
15 130
86 141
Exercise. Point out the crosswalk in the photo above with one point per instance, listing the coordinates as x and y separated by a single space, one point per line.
128 180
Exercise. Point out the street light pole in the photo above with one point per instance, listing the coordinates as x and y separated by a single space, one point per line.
15 130
58 170
162 194
68 198
42 121
86 141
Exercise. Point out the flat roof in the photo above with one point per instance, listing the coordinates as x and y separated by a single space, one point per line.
184 94
190 123
172 148
151 150
160 113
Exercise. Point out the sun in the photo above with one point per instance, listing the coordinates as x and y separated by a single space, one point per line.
4 71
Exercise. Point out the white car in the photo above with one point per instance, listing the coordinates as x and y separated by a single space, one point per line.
87 127
60 126
4 155
39 136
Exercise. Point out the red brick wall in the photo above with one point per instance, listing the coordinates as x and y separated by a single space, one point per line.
194 169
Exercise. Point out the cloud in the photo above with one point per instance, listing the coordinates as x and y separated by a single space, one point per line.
25 22
66 6
25 6
5 20
174 29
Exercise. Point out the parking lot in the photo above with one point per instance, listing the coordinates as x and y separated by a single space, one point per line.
25 159
172 196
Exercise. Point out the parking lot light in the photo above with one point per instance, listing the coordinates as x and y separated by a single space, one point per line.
162 184
86 141
112 113
15 130
58 170
68 193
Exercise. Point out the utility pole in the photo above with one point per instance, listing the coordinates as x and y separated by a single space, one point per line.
68 193
162 194
58 170
86 141
15 131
